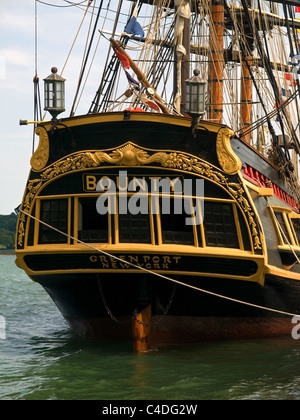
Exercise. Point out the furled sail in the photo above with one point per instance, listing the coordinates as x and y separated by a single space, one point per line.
182 19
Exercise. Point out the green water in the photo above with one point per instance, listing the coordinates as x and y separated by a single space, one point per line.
41 359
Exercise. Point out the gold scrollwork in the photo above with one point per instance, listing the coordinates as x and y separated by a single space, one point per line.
228 160
40 157
130 154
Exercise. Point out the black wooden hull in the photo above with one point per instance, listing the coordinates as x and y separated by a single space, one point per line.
104 306
237 257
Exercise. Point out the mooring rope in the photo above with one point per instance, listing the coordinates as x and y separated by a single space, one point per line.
158 274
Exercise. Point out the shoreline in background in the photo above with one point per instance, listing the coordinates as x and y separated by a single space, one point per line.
7 252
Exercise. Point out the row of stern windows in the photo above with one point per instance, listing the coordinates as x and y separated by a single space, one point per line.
223 225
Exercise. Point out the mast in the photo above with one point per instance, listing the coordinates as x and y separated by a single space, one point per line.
246 95
216 62
246 81
95 104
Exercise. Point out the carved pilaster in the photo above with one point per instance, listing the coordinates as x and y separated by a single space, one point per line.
40 157
228 160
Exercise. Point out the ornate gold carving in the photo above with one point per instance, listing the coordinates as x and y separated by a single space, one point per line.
40 157
131 155
21 229
228 160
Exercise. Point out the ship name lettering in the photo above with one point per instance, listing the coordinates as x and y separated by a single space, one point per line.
150 262
90 182
136 183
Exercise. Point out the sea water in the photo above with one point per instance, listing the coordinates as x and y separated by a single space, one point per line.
41 359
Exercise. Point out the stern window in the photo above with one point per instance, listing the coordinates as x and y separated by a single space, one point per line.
219 225
92 226
55 213
283 229
174 228
296 226
134 228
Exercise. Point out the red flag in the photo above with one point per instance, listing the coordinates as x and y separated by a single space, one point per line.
123 59
290 78
297 9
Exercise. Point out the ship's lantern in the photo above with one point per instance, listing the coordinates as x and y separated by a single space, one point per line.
54 93
195 95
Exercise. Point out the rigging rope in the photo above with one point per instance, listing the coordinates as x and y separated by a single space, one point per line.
157 274
36 95
256 124
71 4
86 10
264 54
86 58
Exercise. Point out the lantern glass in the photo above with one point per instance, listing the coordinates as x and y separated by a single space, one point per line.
54 93
195 95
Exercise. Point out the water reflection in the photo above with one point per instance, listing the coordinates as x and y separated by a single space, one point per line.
64 366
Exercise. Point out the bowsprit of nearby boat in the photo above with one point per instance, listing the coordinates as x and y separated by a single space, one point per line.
169 212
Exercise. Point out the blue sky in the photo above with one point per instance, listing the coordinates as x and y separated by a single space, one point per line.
56 29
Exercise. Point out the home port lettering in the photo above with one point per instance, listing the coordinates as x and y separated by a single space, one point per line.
150 262
151 409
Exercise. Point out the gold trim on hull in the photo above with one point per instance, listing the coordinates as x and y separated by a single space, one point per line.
136 116
132 253
131 155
